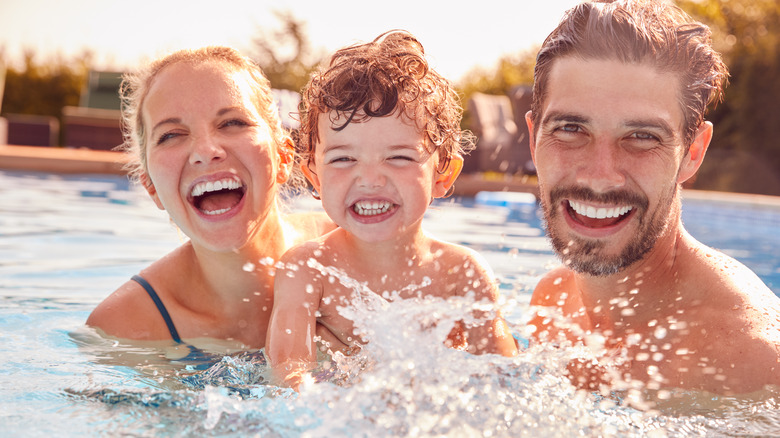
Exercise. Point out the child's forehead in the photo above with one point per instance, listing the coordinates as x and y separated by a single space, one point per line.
338 128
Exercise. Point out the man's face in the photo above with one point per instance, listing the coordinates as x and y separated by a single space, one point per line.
608 153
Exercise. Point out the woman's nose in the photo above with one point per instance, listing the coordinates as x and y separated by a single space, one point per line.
206 149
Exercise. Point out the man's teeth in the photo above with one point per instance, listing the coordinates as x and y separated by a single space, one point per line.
598 213
215 186
371 208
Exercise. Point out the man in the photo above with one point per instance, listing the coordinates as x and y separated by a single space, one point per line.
616 127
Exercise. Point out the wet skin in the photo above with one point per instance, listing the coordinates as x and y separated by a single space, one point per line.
610 159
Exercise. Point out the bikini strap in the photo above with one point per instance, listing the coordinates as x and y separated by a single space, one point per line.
160 306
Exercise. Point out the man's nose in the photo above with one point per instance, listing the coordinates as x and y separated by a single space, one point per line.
601 167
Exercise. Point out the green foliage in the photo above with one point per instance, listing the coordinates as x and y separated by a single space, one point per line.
510 71
44 88
285 54
747 33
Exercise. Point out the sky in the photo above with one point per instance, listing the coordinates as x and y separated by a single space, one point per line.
122 35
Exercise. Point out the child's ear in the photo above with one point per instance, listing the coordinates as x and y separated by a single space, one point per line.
446 179
311 175
286 160
693 159
150 189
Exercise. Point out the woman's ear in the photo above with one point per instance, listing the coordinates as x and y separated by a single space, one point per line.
286 160
150 189
693 159
445 180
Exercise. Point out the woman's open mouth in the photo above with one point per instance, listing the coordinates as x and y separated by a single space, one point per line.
217 197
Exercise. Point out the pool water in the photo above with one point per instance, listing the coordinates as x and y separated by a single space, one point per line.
66 242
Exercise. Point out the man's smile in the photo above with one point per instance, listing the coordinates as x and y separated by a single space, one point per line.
597 216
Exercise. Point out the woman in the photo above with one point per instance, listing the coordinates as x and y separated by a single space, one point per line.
209 149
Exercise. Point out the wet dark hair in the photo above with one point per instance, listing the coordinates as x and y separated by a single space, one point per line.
377 79
650 32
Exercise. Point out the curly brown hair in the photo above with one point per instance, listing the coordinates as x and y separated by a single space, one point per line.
377 79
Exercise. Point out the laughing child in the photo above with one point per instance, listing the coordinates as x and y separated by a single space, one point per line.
381 131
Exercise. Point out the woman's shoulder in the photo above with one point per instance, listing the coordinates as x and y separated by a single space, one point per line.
130 312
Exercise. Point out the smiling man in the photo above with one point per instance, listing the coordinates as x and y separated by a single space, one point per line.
617 126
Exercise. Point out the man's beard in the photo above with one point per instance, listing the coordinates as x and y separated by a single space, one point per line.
585 255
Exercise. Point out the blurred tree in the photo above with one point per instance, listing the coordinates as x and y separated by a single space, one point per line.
44 88
285 54
747 134
510 71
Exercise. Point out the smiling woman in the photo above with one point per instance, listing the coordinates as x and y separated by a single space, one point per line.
208 147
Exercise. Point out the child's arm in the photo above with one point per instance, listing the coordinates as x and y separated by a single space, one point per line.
493 335
290 346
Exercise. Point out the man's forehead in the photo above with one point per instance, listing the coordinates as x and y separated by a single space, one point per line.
599 86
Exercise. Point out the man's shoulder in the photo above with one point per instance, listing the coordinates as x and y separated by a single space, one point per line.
551 287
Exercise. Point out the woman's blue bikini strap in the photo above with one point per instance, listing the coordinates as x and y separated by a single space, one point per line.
160 306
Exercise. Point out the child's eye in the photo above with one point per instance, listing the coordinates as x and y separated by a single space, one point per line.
340 160
402 158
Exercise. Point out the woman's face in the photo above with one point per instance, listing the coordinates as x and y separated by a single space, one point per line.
212 162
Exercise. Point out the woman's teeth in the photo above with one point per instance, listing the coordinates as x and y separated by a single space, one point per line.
598 213
215 186
371 208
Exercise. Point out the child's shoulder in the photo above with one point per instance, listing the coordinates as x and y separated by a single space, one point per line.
457 254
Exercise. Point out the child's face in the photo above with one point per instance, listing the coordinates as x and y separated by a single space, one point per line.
376 178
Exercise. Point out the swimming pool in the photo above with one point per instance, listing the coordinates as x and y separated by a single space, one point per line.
66 242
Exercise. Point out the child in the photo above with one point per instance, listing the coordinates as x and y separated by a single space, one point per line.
382 139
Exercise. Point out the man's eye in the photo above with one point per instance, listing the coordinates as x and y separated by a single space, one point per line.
644 136
569 128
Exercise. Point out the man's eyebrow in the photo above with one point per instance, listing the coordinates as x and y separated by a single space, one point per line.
558 116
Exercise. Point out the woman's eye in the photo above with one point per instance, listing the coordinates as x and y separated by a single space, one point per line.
233 122
166 136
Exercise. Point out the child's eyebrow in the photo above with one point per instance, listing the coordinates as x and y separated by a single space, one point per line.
335 147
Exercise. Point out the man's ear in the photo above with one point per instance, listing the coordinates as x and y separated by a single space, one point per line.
531 137
150 189
446 179
693 159
310 174
286 161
